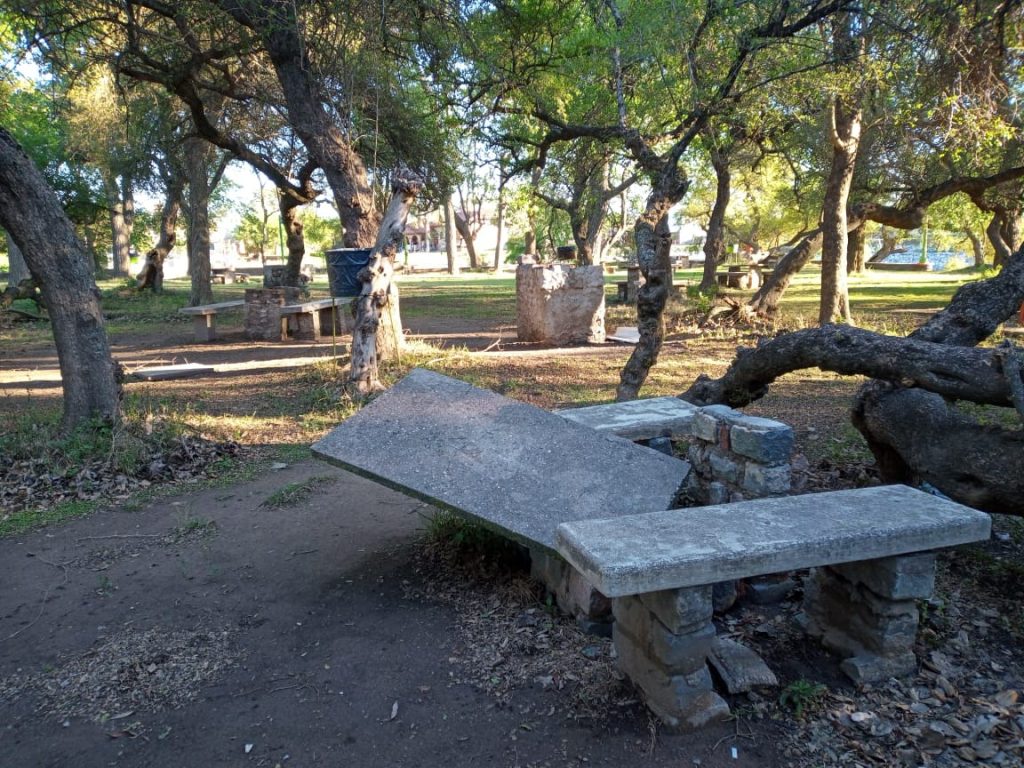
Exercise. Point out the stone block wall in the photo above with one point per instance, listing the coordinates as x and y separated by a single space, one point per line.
737 457
263 311
560 304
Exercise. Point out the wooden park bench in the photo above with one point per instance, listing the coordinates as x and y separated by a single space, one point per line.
204 317
314 319
569 486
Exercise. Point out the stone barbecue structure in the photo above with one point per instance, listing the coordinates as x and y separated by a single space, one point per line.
560 304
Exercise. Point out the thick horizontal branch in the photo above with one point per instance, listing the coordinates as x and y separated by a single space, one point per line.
959 373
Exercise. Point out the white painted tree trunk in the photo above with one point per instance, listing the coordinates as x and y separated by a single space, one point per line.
378 295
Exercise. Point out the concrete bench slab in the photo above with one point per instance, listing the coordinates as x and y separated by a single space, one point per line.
166 372
510 466
212 309
691 547
637 419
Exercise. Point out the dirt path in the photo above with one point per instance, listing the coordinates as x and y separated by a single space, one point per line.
214 629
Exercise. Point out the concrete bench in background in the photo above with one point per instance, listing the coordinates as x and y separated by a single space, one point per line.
204 317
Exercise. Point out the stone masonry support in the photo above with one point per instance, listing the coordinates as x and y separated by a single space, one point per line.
867 612
663 640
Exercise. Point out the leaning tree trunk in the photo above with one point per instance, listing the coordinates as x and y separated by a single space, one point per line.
314 125
462 227
294 240
889 242
32 214
714 242
377 289
152 274
765 301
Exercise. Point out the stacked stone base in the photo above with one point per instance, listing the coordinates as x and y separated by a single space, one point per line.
663 640
572 592
867 613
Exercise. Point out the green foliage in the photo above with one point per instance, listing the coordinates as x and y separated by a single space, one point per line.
802 695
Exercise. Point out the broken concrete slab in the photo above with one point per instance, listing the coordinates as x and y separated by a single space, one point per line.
510 466
166 372
740 668
704 545
637 419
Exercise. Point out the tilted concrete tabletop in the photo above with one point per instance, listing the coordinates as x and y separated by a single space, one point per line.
704 545
513 467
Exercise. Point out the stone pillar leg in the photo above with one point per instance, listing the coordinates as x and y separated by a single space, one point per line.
205 327
572 592
663 640
867 612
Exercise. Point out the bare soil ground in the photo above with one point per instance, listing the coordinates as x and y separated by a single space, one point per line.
227 624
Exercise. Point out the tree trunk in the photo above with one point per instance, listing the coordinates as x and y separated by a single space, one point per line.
152 275
449 237
462 227
977 247
845 134
714 242
318 130
856 241
499 248
32 214
377 292
122 213
765 301
917 436
655 266
199 155
295 242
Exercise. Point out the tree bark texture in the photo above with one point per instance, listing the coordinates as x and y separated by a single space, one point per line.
377 290
32 214
889 242
977 247
499 248
152 275
714 242
765 300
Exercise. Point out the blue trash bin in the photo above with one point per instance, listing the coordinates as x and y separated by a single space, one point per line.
343 267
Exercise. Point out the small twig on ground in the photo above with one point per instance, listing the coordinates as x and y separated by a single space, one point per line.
123 536
46 595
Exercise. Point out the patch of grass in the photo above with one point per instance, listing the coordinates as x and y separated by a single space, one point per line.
291 453
449 531
28 519
802 695
194 525
295 493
